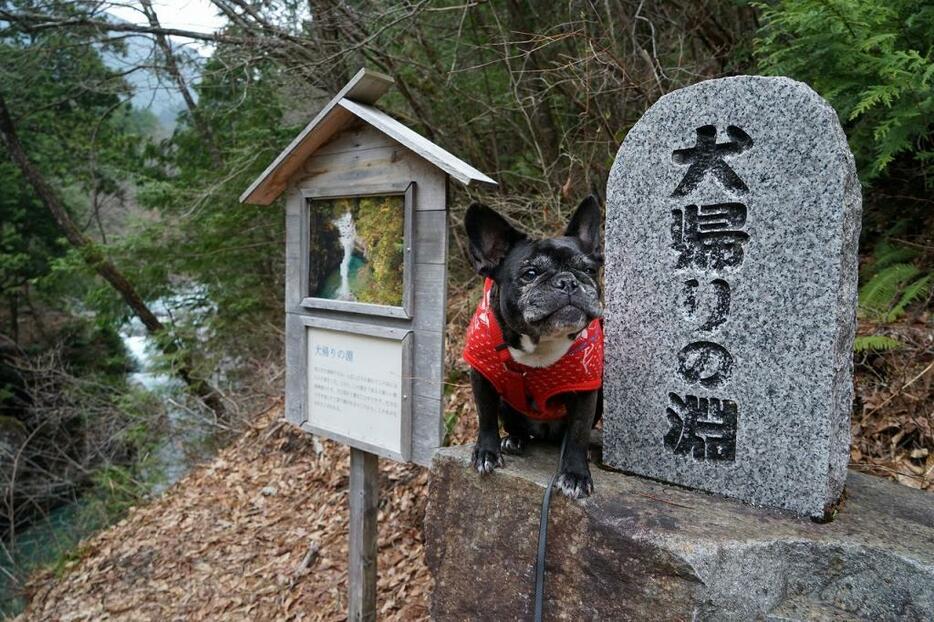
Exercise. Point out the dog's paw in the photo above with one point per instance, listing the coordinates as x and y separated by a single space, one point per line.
486 461
514 445
575 485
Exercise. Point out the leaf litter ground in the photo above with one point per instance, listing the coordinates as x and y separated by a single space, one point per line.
260 533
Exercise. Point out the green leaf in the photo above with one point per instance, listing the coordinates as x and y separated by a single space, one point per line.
875 343
872 61
915 291
878 295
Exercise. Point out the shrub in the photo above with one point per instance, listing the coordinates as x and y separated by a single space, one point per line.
872 60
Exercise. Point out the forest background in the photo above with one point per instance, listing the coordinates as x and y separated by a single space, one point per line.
116 223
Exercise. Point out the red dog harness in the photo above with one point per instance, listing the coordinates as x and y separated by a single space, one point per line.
530 389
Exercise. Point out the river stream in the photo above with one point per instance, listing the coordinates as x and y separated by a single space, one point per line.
180 447
340 284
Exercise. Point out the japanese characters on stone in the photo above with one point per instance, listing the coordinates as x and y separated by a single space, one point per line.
709 242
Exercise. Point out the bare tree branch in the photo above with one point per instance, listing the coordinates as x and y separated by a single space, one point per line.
171 66
34 22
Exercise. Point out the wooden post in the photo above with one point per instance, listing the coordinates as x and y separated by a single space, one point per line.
364 502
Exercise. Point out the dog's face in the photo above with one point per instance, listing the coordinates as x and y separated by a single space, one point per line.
547 288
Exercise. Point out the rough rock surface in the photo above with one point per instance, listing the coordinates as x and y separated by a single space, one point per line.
643 550
733 215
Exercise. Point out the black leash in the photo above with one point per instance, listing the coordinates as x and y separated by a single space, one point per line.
543 537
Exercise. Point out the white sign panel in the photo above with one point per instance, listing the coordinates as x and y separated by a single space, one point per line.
358 390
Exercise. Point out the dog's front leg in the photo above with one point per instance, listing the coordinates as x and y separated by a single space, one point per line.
486 451
574 478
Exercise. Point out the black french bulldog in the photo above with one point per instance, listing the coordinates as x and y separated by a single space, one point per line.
544 294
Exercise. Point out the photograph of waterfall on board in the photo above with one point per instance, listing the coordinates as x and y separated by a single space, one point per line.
356 249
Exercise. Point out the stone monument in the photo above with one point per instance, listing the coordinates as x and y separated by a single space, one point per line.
733 216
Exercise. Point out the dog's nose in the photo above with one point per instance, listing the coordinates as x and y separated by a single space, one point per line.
565 281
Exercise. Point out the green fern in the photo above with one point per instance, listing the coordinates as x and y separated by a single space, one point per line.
874 62
886 254
913 292
878 296
875 343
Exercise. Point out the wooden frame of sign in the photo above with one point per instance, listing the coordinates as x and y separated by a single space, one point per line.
425 287
407 191
395 362
352 150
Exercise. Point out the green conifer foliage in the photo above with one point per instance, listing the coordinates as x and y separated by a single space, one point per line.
872 60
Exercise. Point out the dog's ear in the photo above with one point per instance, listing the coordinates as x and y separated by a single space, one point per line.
585 226
490 237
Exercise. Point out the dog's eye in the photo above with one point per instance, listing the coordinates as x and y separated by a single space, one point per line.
529 274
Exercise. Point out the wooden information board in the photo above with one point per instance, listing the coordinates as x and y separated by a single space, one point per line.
359 387
365 294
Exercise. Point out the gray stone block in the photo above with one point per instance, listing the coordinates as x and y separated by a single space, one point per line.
732 224
642 550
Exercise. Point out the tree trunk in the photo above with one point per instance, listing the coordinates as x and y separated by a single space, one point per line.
100 263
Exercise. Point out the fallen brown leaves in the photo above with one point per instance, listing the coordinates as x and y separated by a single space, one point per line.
893 422
260 533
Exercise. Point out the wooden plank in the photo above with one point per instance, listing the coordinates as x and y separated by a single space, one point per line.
364 505
428 367
430 311
427 429
431 236
381 166
377 166
342 317
452 165
358 190
363 308
366 86
295 369
432 184
407 398
348 325
408 255
296 261
431 297
354 443
356 137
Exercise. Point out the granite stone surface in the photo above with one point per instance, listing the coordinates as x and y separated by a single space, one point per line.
638 549
732 223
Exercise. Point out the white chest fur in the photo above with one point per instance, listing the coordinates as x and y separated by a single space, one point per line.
542 354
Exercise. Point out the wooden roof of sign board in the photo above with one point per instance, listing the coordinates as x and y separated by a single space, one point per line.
354 101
